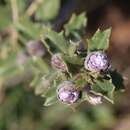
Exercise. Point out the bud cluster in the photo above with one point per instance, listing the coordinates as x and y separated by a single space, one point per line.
66 91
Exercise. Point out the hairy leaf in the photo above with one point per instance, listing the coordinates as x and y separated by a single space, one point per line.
100 40
76 23
57 39
48 9
104 87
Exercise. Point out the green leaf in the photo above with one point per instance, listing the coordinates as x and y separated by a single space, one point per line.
30 29
76 23
76 60
42 87
57 39
22 5
48 9
51 96
8 66
105 87
5 17
72 48
46 84
36 81
100 40
50 100
40 64
80 83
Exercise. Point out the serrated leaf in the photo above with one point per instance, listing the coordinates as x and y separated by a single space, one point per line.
104 87
76 23
57 39
100 40
30 29
48 9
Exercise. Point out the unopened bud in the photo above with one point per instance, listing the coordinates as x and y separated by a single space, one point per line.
58 63
36 48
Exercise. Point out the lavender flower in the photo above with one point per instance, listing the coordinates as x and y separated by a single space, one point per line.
35 48
58 63
96 62
67 93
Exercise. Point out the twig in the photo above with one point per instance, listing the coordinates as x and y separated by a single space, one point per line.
33 7
15 17
14 10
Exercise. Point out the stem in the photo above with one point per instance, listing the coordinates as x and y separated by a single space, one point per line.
15 17
33 7
46 45
14 10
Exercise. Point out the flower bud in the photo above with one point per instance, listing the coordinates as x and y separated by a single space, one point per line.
35 48
58 63
66 92
94 99
22 58
96 62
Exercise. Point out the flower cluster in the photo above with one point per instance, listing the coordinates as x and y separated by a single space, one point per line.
66 91
77 63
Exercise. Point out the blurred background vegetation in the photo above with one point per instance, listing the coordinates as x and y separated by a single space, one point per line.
20 22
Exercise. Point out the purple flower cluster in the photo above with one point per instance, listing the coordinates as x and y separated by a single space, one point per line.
96 62
66 92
